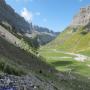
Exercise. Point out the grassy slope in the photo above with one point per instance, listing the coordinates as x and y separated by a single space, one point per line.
20 57
24 60
69 40
18 60
69 67
14 60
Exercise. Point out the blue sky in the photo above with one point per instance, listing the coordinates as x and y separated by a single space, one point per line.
53 14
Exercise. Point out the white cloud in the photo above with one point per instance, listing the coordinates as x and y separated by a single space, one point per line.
38 13
26 14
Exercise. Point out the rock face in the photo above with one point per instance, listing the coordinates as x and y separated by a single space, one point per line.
7 14
82 18
44 35
9 18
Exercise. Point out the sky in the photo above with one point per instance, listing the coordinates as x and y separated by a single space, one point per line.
53 14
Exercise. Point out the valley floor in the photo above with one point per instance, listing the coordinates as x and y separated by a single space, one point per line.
67 61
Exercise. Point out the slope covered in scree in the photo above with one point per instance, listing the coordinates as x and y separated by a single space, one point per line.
33 72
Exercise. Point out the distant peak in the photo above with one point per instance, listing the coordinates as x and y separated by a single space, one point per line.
82 18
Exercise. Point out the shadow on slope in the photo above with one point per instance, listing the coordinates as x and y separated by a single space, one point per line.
22 58
62 63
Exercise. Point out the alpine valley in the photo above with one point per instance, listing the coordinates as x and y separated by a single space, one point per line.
61 64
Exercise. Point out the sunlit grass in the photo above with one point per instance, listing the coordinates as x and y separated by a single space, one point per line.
65 62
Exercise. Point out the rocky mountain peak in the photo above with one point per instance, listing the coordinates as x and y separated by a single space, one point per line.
82 18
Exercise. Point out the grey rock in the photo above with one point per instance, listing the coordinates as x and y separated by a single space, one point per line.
82 18
29 82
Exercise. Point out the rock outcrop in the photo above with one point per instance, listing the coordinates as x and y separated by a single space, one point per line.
10 19
28 82
7 14
82 18
44 35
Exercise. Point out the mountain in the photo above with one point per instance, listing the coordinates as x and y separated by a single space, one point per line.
76 36
82 18
70 51
43 35
10 19
21 65
7 14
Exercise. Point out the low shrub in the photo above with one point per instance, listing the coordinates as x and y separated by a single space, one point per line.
9 69
84 32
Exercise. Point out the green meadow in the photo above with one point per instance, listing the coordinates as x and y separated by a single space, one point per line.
72 41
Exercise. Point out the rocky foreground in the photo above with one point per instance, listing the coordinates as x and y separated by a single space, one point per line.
11 82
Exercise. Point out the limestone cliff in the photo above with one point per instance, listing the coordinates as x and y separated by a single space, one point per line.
82 18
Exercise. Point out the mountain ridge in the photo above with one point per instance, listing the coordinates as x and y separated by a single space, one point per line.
9 18
22 66
74 40
76 36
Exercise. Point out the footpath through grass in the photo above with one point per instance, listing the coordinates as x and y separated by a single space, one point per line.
66 62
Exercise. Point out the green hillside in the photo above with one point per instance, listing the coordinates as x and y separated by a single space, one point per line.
19 58
70 51
17 61
72 39
63 64
22 60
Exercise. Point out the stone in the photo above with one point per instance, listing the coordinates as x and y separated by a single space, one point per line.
82 18
29 82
